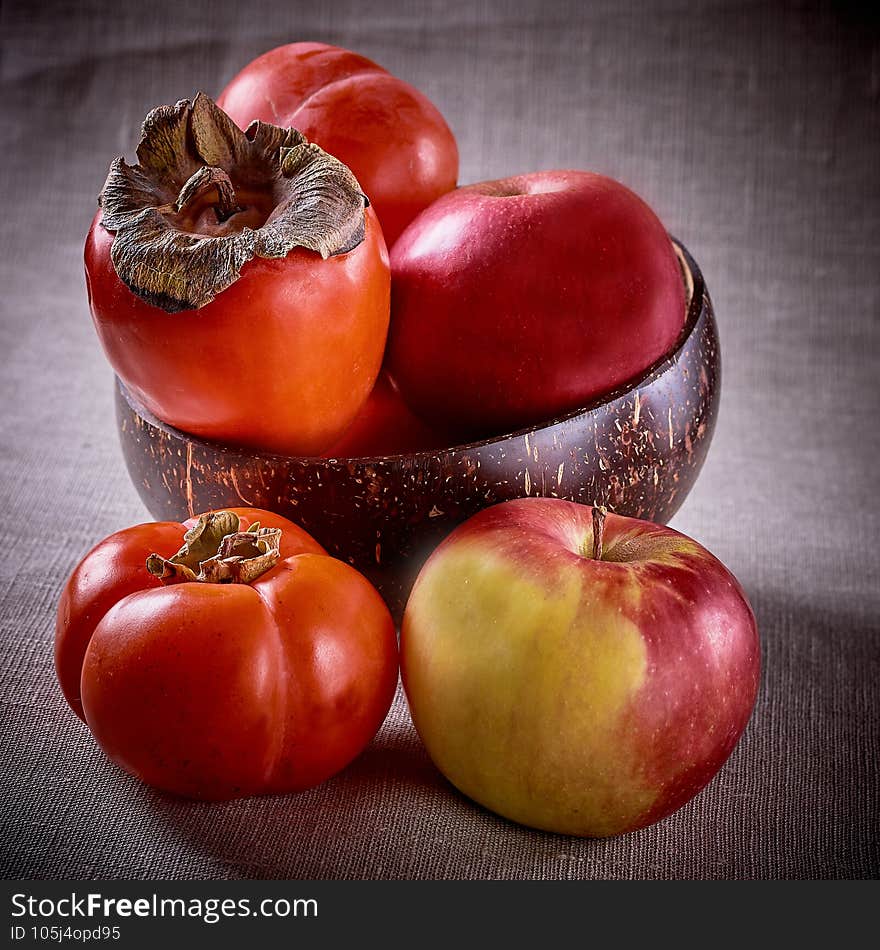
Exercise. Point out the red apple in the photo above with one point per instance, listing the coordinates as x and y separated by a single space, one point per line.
387 426
514 301
582 681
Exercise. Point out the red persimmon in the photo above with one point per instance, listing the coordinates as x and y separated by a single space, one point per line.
391 136
249 662
238 284
387 426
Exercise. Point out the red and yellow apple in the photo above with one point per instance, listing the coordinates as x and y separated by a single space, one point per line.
574 673
517 300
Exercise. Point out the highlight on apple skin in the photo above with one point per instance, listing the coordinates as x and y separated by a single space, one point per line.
576 673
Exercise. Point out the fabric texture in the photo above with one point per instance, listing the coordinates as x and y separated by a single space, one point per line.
754 135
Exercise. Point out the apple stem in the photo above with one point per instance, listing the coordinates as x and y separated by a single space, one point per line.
599 513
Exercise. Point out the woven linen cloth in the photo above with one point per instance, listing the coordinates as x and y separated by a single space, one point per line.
754 134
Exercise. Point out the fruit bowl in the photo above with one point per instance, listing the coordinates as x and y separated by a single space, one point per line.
637 450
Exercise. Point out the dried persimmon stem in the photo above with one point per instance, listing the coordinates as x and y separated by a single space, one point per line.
290 194
213 185
217 551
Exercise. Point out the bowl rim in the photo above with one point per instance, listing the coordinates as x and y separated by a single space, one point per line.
695 306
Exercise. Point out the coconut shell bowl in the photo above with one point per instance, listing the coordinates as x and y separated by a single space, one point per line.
637 450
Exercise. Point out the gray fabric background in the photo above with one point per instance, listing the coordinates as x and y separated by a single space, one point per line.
753 131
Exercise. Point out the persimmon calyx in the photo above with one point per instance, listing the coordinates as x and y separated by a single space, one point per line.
217 551
205 198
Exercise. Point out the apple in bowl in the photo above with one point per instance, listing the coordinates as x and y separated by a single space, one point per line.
515 301
574 673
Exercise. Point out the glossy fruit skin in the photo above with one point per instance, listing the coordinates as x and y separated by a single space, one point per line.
387 426
517 300
282 360
391 136
217 691
573 695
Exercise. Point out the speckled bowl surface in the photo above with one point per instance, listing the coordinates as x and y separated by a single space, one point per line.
637 450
